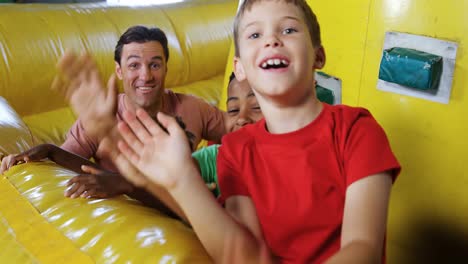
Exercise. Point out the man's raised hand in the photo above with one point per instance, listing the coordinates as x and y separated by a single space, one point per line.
79 81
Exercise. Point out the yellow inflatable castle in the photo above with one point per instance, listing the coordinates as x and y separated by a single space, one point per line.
37 223
428 216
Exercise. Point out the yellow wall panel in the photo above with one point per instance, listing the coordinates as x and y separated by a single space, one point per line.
429 209
428 200
344 29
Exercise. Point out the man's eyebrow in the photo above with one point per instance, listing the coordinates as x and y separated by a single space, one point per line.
138 57
133 57
251 94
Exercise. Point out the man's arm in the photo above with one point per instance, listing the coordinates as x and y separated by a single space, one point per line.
79 81
364 220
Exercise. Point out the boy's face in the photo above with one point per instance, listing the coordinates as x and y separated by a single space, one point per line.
242 106
143 71
276 53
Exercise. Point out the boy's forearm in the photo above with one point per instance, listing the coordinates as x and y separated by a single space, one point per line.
158 198
356 252
220 234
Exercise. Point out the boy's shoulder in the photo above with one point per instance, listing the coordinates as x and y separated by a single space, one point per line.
245 135
351 119
347 114
347 111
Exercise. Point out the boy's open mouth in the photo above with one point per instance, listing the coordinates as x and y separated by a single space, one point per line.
274 63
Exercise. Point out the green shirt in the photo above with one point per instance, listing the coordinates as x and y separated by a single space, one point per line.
206 158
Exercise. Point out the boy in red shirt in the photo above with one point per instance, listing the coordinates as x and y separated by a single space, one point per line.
307 184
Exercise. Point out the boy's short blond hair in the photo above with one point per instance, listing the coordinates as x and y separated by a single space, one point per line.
309 18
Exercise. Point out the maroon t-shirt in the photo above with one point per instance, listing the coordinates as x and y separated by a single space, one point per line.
203 120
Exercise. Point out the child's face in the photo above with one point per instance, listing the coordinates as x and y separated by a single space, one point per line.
276 53
242 106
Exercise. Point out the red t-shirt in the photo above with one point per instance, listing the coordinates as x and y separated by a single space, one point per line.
298 180
203 120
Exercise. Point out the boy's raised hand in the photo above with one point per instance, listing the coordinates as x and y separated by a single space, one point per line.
163 157
79 81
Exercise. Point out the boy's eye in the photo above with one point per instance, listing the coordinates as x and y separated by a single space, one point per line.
256 108
289 31
254 36
233 111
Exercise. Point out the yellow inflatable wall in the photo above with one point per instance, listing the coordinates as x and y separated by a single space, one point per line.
428 221
428 211
37 223
428 218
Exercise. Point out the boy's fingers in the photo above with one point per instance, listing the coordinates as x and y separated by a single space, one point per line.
81 188
138 128
93 193
72 181
72 188
130 172
12 162
135 126
3 166
152 127
169 123
129 137
90 169
130 155
85 179
85 194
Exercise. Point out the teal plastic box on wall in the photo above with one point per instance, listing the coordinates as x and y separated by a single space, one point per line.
412 68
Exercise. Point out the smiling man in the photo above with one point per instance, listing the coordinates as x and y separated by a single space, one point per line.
141 56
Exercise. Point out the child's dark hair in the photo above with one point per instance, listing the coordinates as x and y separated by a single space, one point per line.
309 18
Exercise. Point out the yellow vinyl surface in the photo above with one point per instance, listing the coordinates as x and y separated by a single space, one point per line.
51 227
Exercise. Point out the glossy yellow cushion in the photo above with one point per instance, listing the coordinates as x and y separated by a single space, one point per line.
117 230
51 126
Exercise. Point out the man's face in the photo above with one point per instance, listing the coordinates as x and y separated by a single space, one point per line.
143 71
242 106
